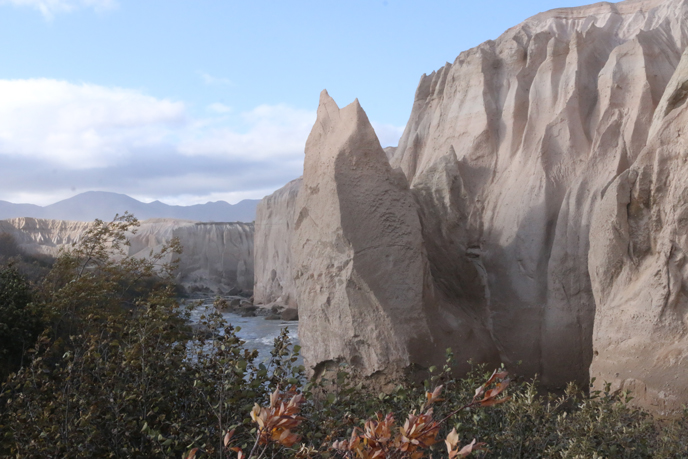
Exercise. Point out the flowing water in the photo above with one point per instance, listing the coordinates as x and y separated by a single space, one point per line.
257 332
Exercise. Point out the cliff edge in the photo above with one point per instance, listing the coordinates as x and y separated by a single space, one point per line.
546 169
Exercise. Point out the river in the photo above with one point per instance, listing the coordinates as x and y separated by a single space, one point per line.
257 332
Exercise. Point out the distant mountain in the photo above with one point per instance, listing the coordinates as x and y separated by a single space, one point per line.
88 206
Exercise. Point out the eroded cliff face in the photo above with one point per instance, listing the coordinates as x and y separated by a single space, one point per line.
216 256
638 264
360 269
526 150
508 151
274 282
35 235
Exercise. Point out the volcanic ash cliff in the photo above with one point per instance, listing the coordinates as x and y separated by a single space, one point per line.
533 211
274 283
216 256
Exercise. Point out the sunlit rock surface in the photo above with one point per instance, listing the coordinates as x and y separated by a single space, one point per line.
361 273
547 171
638 264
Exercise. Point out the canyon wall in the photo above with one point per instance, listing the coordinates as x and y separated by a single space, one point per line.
361 273
547 173
274 283
34 235
216 256
638 264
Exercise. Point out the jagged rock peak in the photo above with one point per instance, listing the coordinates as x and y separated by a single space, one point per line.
564 133
356 250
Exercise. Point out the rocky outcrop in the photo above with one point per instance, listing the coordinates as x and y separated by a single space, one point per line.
274 283
216 256
638 264
35 235
508 151
361 272
547 176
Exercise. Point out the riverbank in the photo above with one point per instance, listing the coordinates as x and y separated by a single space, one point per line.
257 330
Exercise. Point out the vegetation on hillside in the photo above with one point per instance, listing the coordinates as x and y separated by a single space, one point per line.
100 361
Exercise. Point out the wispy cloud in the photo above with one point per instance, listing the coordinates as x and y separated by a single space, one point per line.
81 126
274 132
49 8
58 138
212 80
219 108
388 134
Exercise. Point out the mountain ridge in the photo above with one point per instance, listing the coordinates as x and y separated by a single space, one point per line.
103 205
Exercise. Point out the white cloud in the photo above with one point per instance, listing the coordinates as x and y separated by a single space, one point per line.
37 198
51 7
212 80
81 126
58 139
388 134
219 108
274 132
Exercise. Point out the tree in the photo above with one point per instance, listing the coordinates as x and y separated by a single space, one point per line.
20 320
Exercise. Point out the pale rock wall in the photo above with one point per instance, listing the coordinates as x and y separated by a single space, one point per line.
217 256
36 235
274 282
508 150
389 152
639 267
362 278
519 155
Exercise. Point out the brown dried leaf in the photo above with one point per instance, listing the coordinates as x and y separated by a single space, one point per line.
452 439
472 447
493 402
434 396
494 392
228 437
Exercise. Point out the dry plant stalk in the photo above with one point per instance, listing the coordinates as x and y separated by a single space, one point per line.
419 432
379 438
276 424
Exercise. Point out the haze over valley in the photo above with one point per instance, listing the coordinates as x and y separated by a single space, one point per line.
86 207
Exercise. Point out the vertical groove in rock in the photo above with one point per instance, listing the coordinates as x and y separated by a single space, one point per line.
547 171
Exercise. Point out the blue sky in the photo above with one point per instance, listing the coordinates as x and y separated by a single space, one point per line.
189 101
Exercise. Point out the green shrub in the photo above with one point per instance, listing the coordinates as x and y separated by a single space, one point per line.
20 320
118 372
33 267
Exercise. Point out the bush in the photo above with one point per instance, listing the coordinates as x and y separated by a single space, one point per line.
8 246
33 267
118 372
20 321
